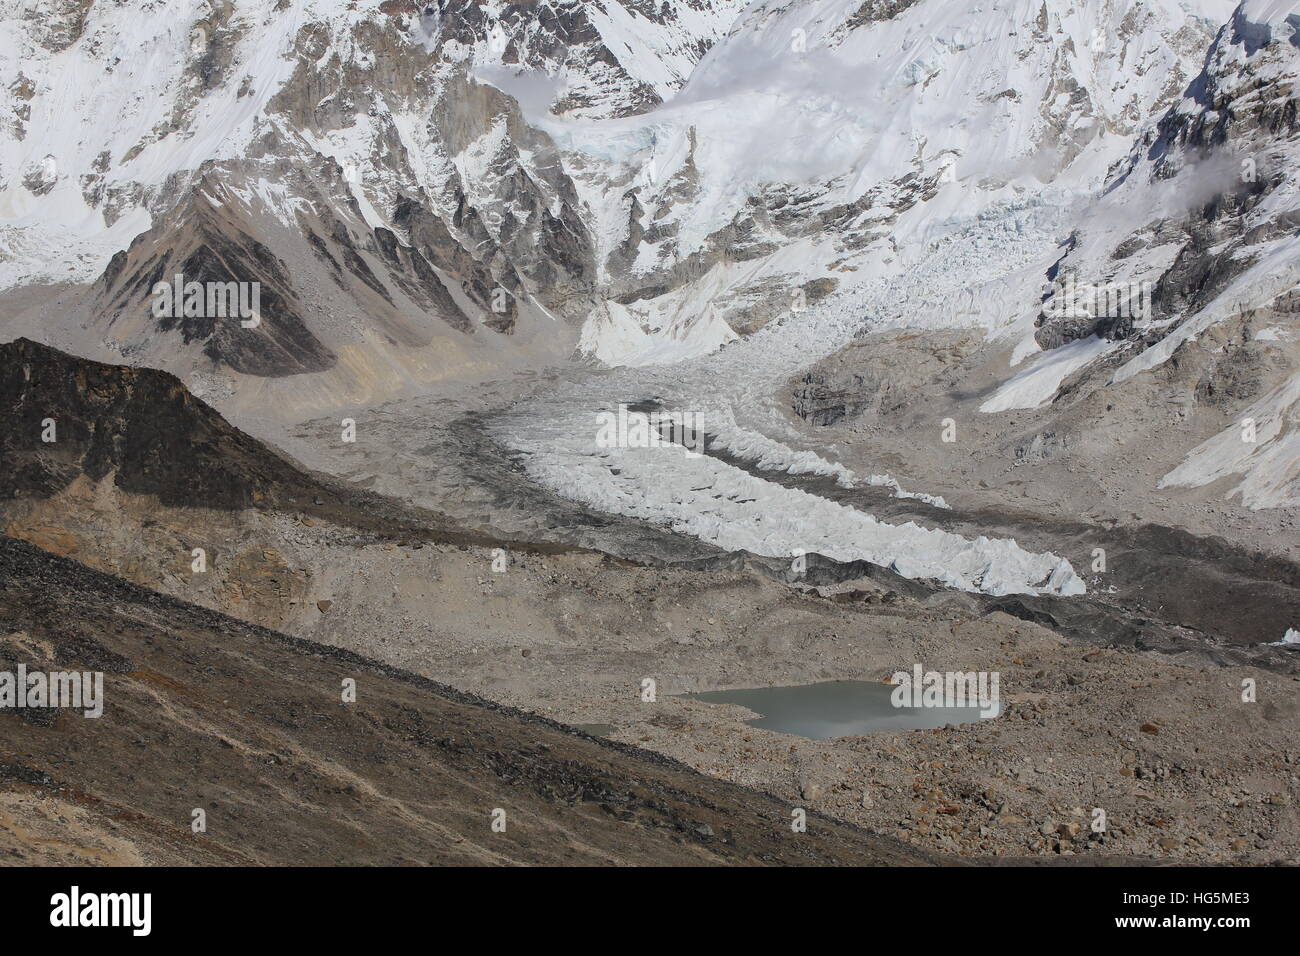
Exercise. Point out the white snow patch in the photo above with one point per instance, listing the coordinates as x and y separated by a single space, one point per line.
1037 385
617 335
1270 463
1289 639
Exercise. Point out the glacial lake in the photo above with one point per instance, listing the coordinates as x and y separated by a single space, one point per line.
841 708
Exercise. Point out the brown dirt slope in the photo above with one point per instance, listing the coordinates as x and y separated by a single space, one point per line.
205 712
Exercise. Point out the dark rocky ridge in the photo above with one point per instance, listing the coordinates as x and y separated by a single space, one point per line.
145 429
142 425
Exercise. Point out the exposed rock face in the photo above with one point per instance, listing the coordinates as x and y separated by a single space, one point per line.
586 40
206 243
873 11
821 403
331 265
139 425
521 215
1202 197
59 23
865 377
480 190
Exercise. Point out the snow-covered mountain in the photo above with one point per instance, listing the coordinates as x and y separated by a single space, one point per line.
1210 194
400 211
820 145
439 189
1207 210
